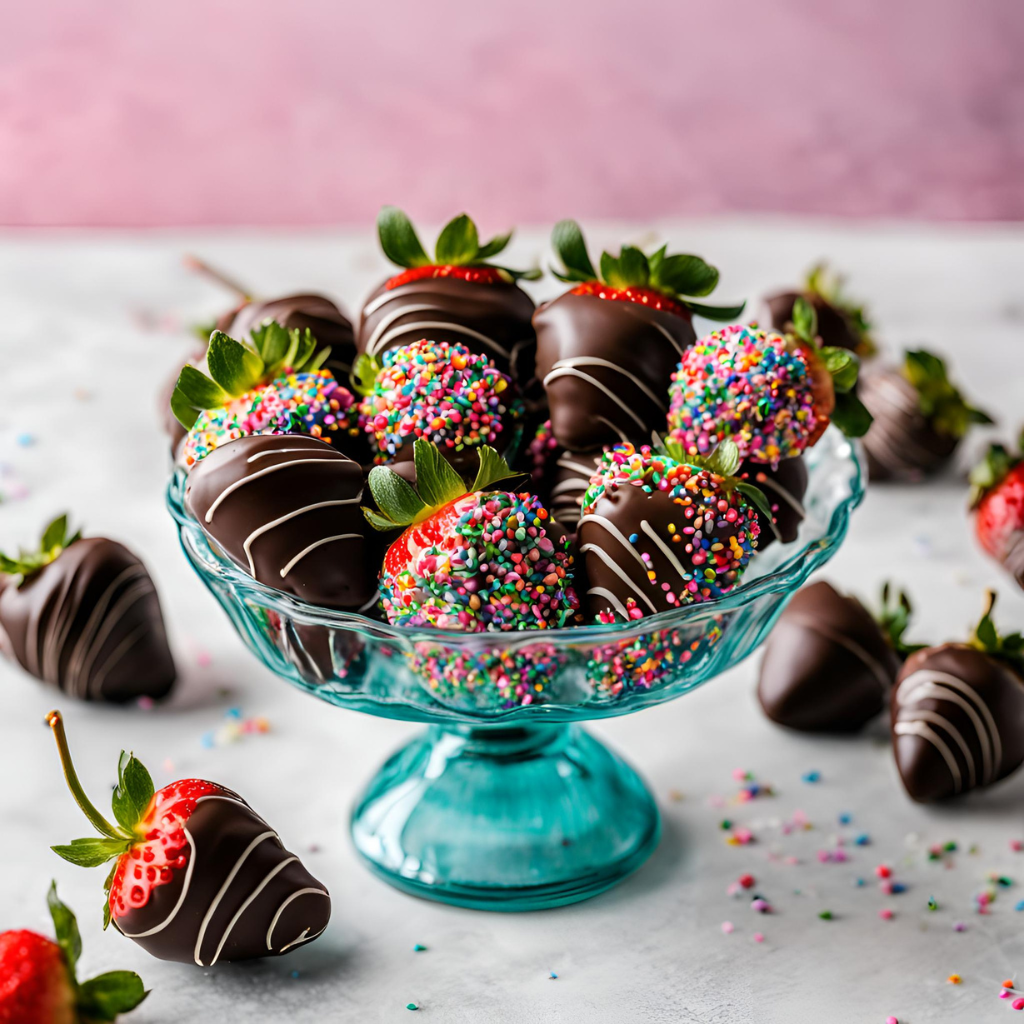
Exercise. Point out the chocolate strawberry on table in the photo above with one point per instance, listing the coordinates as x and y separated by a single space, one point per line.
441 392
459 295
606 349
920 417
660 530
997 497
198 876
275 385
828 664
774 395
958 714
83 615
38 982
842 322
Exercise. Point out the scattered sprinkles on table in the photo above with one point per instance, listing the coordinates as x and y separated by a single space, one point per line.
750 385
441 392
492 566
296 403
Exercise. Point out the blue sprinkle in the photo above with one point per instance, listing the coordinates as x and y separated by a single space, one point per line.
859 882
845 819
1020 906
811 777
898 887
233 713
863 839
207 740
25 440
419 948
551 974
295 974
634 537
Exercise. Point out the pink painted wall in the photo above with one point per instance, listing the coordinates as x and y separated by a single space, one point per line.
276 112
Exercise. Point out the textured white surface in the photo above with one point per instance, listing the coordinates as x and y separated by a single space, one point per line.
102 315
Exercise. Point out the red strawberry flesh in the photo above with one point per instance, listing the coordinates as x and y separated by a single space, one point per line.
163 848
1001 513
642 296
475 275
35 987
430 532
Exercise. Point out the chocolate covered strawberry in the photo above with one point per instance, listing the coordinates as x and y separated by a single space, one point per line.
197 876
606 349
997 496
275 385
441 392
920 417
458 295
469 560
83 615
659 532
774 395
842 322
38 983
958 714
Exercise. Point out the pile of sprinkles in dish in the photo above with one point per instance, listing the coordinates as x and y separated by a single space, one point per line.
706 528
496 568
747 384
296 403
438 391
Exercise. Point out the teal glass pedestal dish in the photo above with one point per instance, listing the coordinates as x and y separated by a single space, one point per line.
505 802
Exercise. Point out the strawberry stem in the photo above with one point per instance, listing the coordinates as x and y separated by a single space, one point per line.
218 277
56 723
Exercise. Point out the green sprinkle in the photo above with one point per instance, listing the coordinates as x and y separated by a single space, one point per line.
725 824
419 948
825 915
932 905
411 1006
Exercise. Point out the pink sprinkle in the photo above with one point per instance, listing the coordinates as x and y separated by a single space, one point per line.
744 835
885 914
891 1020
1006 994
886 887
758 937
739 774
840 856
824 856
1017 845
727 927
203 659
1018 1004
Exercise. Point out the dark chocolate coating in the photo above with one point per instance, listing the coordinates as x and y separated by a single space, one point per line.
827 666
901 444
835 328
189 917
490 319
784 487
570 479
89 623
593 403
957 722
626 507
296 500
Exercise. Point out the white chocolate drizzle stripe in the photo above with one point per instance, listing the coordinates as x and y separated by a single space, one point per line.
934 718
231 488
922 730
317 543
387 320
567 371
606 364
304 448
267 527
665 549
280 910
139 589
181 898
95 685
612 599
610 527
610 562
437 325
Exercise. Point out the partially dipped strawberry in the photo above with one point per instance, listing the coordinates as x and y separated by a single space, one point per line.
38 983
997 496
458 295
774 395
197 876
472 560
606 349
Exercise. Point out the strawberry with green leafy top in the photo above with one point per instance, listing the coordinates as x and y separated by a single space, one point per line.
606 349
458 295
38 983
997 497
272 384
920 417
470 559
197 875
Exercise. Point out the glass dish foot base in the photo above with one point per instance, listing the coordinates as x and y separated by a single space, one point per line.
497 818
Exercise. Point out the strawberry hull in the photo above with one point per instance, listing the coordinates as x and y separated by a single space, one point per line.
607 366
240 894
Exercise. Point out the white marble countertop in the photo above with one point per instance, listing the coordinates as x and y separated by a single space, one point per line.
91 325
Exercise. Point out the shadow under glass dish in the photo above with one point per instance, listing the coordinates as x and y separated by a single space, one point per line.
505 803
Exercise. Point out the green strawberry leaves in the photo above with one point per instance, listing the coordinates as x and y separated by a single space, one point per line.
458 244
237 367
399 504
65 928
56 537
805 321
101 998
986 638
851 415
363 377
894 618
939 400
133 793
92 852
996 464
675 276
